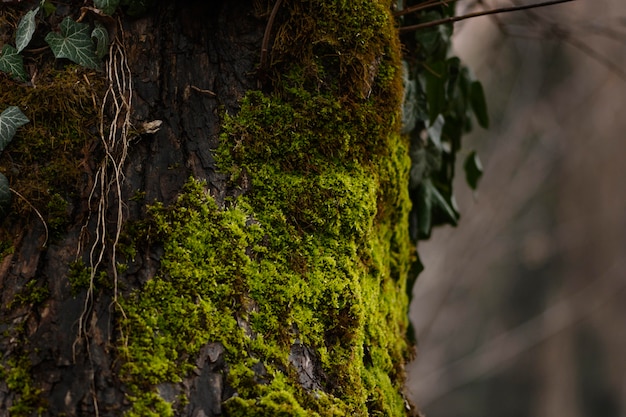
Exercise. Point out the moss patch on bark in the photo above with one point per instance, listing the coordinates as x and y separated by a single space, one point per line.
311 259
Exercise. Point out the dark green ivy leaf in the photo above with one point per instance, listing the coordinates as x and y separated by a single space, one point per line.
473 170
74 43
446 206
48 8
12 63
434 132
424 210
136 7
479 104
107 6
435 77
101 35
5 197
10 119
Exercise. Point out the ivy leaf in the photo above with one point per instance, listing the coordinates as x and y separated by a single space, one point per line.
479 104
435 79
74 43
434 131
25 29
101 36
447 206
473 169
136 7
12 63
424 210
48 8
10 120
107 6
5 197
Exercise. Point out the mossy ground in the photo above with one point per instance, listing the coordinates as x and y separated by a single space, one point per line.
315 251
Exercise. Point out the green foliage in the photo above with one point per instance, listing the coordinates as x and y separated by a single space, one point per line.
12 63
10 120
25 29
74 43
6 248
107 6
43 162
101 36
16 374
78 276
444 99
136 7
473 169
31 293
48 8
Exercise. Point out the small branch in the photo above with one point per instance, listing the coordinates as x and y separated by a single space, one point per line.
203 91
45 226
422 6
266 35
455 19
593 54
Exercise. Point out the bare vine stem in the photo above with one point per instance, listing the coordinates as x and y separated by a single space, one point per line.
109 175
268 32
454 19
45 226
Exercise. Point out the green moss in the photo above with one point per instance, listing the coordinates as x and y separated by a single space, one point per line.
46 160
275 404
315 252
16 374
6 248
78 276
31 293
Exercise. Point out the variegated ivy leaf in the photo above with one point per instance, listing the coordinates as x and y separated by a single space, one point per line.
25 29
107 6
101 35
74 43
12 63
10 119
5 197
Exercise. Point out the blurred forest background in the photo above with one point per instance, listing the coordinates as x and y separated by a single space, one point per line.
521 310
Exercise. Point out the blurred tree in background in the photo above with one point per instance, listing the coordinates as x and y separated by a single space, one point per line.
520 311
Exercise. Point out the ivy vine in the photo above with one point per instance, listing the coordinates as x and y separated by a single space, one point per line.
441 102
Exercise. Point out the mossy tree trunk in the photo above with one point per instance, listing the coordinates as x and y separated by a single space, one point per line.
272 282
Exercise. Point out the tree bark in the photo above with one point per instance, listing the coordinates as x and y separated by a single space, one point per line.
182 67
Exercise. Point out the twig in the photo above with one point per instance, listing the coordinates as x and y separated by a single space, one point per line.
266 35
454 19
593 54
422 6
203 91
45 226
556 30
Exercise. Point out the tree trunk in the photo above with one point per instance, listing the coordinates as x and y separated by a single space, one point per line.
272 284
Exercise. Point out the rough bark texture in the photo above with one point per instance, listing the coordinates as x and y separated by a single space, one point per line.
170 51
191 64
